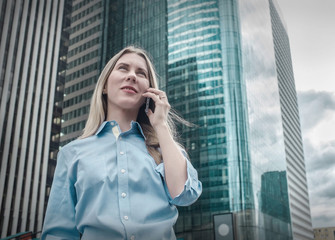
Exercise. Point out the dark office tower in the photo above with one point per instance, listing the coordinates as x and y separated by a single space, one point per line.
273 191
296 174
84 62
99 29
31 92
139 23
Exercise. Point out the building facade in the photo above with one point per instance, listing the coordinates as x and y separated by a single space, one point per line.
327 233
230 72
83 65
99 29
296 174
32 64
226 67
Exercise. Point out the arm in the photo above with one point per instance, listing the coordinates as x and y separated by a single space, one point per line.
59 222
174 161
180 176
187 190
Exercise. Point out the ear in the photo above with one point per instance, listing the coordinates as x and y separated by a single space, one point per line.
104 91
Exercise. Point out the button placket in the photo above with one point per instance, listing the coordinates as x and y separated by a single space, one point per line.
123 181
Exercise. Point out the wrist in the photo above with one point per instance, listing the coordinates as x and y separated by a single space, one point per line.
160 126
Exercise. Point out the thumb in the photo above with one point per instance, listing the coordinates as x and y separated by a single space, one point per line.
149 113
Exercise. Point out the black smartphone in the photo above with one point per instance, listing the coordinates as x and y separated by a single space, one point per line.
147 105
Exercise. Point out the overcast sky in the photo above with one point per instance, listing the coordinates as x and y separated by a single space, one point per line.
311 30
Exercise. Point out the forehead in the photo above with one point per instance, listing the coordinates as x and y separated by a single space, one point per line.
133 59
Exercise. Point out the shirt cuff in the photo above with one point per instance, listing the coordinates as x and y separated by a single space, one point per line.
192 187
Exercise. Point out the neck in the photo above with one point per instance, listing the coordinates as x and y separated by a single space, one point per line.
122 117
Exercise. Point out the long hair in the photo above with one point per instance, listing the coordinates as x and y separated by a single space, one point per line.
98 108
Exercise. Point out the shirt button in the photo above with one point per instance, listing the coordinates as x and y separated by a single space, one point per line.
121 153
132 237
125 217
123 171
112 123
123 195
120 138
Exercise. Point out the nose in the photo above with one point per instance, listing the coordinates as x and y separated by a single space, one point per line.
131 77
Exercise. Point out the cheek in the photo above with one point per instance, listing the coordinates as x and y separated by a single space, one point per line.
112 79
108 83
146 84
111 84
143 85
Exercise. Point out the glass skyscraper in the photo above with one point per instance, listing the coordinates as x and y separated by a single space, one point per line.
226 67
230 72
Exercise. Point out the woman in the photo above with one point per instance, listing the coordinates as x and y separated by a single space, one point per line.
123 177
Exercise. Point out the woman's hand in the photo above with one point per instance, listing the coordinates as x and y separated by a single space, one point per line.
162 107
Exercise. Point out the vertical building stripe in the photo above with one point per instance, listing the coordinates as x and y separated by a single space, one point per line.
20 149
54 43
10 182
4 92
29 56
11 119
30 125
39 111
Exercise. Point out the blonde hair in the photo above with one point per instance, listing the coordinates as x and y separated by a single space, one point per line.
98 109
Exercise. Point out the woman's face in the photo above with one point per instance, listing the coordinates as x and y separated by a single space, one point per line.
127 82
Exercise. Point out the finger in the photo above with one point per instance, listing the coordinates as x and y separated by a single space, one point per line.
149 113
153 96
160 93
156 91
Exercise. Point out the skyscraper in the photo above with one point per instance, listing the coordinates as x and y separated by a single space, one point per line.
99 29
226 67
31 85
296 174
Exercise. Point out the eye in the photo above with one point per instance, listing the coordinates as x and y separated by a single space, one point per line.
142 73
122 67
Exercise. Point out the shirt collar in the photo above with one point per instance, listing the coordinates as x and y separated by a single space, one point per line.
101 127
134 126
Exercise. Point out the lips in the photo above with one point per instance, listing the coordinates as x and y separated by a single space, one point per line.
129 89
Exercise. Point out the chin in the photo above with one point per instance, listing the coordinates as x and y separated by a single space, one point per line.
130 107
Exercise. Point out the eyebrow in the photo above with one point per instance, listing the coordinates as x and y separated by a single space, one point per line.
126 64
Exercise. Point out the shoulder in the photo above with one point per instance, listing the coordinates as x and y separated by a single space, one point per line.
73 148
80 142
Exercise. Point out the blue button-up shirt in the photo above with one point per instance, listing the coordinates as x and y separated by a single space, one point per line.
108 186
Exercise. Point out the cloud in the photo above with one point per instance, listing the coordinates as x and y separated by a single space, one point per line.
319 157
317 113
328 191
321 187
315 107
322 205
323 219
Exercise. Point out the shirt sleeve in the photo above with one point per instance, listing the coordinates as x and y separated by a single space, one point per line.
192 188
59 222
